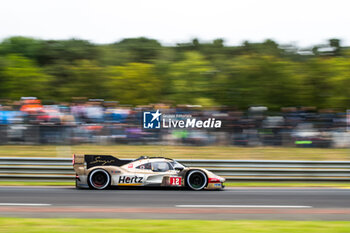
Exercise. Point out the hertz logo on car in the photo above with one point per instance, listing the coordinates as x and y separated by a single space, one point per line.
130 180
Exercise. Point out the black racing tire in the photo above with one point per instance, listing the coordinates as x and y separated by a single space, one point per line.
196 180
99 179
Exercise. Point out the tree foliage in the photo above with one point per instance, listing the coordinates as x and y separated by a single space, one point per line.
141 71
20 76
134 83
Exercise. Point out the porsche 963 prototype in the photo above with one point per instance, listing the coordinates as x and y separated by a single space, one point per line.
103 171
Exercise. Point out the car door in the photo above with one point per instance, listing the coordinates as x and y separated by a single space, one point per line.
159 170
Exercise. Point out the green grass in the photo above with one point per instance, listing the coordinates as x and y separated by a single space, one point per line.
31 225
36 183
184 152
288 184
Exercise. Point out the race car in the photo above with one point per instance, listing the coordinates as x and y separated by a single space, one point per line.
103 171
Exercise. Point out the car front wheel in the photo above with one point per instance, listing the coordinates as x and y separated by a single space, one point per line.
196 180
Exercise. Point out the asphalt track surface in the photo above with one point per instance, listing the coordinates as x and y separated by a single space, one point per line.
233 203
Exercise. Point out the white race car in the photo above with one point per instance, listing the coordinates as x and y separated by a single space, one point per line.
103 171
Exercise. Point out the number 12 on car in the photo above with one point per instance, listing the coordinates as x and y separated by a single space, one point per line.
175 181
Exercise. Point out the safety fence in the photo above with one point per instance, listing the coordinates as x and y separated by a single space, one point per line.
60 169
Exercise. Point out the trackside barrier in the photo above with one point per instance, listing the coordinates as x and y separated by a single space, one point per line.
60 169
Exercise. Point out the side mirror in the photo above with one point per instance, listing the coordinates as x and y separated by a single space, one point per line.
178 168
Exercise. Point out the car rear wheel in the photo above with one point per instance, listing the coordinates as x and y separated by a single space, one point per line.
196 180
99 179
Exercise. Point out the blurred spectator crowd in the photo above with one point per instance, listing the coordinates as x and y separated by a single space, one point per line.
28 121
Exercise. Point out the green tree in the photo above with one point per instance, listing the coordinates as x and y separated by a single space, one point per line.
84 78
142 50
191 79
333 82
24 46
53 51
22 77
259 80
317 86
111 55
134 83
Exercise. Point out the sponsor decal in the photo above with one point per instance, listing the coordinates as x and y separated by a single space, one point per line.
101 161
131 165
214 180
130 180
157 120
217 185
175 181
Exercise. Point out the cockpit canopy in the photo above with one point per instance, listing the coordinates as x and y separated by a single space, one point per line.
157 164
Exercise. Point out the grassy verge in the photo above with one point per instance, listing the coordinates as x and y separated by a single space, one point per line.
288 184
36 183
229 184
122 225
185 152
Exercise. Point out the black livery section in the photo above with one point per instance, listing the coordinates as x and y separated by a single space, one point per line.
104 160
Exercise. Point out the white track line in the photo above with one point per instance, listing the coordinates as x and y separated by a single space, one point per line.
243 206
24 204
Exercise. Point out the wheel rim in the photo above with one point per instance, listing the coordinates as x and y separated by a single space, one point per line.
99 179
197 180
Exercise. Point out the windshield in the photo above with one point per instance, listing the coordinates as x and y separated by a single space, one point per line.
176 164
161 166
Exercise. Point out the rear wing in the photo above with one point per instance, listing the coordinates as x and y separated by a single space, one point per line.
98 160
